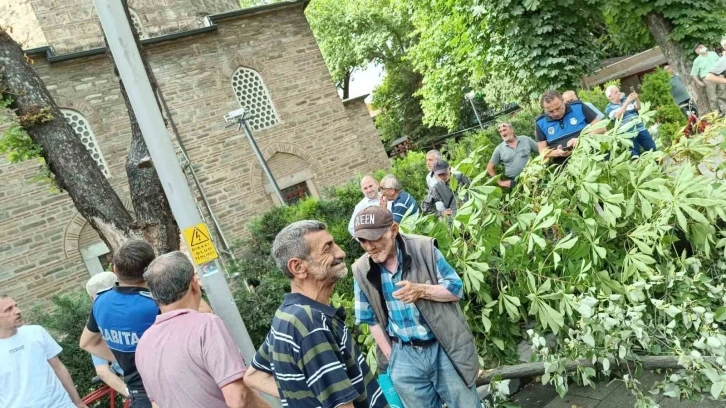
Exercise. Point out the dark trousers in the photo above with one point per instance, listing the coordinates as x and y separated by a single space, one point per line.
643 140
139 399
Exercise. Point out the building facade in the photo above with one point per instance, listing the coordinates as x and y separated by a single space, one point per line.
209 58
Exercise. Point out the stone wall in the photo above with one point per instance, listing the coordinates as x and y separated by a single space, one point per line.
40 253
17 17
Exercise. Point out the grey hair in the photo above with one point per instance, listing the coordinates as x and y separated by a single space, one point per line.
100 281
549 96
391 181
290 243
169 276
609 90
508 124
435 153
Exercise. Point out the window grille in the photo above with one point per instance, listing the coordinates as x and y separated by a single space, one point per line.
83 130
295 193
136 23
253 96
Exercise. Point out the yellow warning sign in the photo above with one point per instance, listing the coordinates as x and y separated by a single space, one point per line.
200 244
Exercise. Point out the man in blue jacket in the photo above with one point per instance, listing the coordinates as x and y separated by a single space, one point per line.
559 127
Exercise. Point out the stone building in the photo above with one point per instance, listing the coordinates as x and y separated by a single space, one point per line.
209 58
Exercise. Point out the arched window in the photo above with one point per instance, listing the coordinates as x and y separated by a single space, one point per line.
252 94
83 130
136 23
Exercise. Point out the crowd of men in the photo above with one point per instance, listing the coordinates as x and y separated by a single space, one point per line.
152 338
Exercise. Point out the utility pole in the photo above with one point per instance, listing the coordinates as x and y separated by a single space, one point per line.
131 70
470 97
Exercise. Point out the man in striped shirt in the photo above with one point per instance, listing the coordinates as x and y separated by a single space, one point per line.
310 358
401 202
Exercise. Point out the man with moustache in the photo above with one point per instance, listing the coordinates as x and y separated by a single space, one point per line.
409 296
310 358
514 153
371 196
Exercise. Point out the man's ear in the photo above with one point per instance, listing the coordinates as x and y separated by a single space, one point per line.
297 267
394 230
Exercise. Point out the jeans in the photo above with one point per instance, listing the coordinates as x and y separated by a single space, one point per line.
644 140
139 399
424 376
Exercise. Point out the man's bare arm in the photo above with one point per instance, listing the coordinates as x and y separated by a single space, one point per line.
95 344
238 395
66 380
261 381
698 80
716 78
111 379
380 337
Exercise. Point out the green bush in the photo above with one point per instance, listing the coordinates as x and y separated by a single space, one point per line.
656 89
595 96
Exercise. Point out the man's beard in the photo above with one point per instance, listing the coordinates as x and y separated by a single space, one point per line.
333 273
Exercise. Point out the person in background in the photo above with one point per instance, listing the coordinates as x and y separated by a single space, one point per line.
571 96
718 72
559 127
105 370
371 196
120 316
441 199
680 94
402 203
408 295
31 374
432 156
625 108
704 64
188 359
310 358
514 153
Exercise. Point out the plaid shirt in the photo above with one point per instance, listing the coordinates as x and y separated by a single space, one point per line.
404 319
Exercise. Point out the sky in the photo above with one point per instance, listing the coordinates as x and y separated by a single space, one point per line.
363 81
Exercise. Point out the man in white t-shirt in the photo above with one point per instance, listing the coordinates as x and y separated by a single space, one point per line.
31 374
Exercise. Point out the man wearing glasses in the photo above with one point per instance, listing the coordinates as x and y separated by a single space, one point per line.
560 125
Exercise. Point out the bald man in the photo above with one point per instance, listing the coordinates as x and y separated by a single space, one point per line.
570 96
371 197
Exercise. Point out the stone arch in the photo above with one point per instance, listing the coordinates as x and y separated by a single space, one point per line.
229 67
255 171
73 229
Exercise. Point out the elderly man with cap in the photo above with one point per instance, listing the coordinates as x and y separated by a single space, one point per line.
408 294
105 370
441 199
310 358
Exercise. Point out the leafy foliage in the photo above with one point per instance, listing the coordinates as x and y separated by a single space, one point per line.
656 89
618 258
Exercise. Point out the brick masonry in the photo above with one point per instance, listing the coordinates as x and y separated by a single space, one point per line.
39 255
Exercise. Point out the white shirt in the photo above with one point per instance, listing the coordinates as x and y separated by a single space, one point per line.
26 378
430 179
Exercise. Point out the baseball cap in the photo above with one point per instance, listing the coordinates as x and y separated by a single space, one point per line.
441 166
371 223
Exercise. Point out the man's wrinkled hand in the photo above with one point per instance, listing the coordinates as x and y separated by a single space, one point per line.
409 292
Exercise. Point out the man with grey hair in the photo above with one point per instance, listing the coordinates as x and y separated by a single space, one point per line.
188 359
626 108
31 374
309 358
514 153
432 156
401 202
105 370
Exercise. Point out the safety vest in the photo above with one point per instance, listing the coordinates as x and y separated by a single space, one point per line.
558 131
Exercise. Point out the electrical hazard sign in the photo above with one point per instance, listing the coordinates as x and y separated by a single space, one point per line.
200 243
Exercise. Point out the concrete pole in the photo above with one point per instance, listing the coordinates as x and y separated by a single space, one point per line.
130 67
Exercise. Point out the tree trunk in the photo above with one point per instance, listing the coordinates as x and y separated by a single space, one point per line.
678 58
346 86
537 369
153 212
74 169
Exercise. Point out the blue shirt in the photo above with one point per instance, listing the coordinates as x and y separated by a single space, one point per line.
314 358
557 132
402 205
629 115
404 319
122 314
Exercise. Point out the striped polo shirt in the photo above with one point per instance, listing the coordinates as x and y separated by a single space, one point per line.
314 358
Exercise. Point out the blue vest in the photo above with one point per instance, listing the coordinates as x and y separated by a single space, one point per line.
559 131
